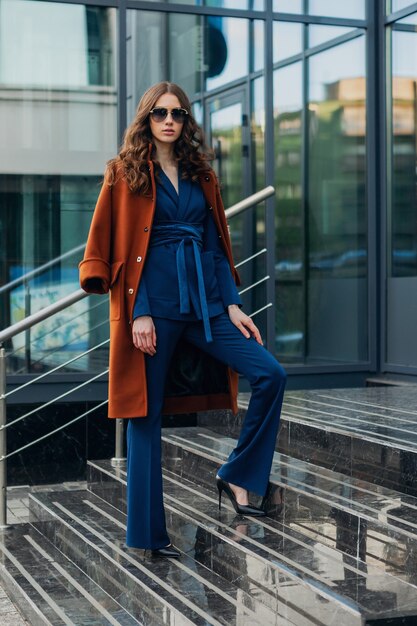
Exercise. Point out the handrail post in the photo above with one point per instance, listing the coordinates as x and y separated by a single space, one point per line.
28 330
3 441
118 458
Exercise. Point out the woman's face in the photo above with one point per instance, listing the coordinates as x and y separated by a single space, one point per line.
166 131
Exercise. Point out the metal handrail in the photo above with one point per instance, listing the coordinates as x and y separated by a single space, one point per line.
248 202
38 270
41 315
52 432
258 282
55 369
50 310
78 295
62 395
250 258
255 198
62 325
51 353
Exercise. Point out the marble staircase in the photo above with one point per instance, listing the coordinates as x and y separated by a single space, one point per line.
338 546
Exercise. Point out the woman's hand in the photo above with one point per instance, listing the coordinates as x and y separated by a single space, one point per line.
144 335
243 322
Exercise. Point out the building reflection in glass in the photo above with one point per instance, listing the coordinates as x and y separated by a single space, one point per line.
58 117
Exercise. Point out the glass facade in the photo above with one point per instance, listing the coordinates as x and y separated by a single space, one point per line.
58 75
337 213
284 98
401 301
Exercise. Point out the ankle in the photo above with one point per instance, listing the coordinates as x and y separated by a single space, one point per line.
241 494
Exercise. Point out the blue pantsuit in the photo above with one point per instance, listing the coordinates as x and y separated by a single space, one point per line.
191 304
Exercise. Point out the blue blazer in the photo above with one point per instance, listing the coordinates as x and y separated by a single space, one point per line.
186 275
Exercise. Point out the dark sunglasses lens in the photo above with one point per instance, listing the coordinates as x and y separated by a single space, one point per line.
159 114
178 115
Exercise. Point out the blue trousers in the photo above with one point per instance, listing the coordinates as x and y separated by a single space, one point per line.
248 465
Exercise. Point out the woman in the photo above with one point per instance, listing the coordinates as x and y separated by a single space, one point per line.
159 242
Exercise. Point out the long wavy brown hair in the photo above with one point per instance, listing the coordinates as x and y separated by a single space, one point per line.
190 149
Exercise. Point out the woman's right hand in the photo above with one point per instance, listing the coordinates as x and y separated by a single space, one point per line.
144 334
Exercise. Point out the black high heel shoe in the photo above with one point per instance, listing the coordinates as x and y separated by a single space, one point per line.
168 551
268 495
242 509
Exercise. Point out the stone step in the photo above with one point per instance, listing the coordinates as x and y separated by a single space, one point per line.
372 523
369 433
49 589
277 564
91 534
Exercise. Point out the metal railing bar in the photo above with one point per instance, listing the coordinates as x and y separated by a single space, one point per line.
260 310
49 310
52 432
15 352
45 404
248 202
251 257
38 270
55 369
235 209
65 345
79 294
59 326
258 282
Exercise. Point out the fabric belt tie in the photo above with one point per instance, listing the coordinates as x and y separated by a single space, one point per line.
185 234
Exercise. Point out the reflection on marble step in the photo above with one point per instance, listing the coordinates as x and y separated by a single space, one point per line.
287 555
91 533
256 579
376 524
370 433
46 586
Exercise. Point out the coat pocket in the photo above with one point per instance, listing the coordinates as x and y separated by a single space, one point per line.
116 291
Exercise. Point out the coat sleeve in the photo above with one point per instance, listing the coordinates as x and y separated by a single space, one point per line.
142 306
95 267
225 280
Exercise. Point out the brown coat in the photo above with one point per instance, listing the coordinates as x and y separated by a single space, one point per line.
114 259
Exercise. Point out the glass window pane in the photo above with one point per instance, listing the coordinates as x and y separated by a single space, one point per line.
404 160
289 216
258 44
185 49
410 19
337 245
35 49
402 201
57 134
227 50
318 34
253 5
258 132
259 269
354 8
397 5
288 6
288 40
163 46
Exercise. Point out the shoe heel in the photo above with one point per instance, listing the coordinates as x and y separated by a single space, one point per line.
220 495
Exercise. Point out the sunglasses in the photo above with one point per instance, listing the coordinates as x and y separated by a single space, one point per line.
159 114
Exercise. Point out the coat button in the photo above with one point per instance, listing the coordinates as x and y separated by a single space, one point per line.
146 229
130 291
139 259
220 236
207 178
210 208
